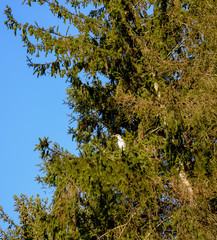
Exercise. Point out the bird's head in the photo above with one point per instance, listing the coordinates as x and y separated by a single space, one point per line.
117 135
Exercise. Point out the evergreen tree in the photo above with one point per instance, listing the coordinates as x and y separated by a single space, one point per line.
145 70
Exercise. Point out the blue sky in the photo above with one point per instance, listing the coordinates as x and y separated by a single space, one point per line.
31 107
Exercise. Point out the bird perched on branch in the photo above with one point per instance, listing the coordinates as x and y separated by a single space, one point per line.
121 143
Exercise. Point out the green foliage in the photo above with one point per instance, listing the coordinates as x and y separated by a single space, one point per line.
151 77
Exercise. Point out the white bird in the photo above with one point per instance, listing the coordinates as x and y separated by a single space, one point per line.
121 143
156 87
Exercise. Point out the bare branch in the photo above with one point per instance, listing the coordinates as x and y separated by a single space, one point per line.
120 226
148 235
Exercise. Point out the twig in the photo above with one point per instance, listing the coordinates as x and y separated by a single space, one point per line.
147 236
123 225
175 48
58 152
152 131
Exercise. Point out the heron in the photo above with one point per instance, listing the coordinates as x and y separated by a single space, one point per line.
121 143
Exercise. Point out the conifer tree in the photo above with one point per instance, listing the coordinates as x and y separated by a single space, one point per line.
145 70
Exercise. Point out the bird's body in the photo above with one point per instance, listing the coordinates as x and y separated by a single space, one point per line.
121 143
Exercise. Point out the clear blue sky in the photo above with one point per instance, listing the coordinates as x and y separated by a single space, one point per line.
31 107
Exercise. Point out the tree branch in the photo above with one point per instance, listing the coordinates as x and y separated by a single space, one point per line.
147 236
120 226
